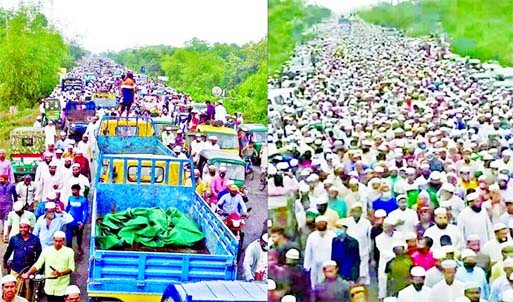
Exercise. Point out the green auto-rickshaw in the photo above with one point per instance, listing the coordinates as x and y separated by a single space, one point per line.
235 166
256 133
27 147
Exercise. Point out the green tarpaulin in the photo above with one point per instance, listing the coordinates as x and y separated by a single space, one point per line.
152 227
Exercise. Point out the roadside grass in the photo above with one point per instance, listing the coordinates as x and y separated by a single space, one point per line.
480 29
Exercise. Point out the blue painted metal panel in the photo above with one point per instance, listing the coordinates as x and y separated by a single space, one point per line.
210 291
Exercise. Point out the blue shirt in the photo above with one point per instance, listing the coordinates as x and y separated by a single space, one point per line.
45 233
477 275
77 207
232 204
25 252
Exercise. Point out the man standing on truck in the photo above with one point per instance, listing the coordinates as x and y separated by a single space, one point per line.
58 261
127 93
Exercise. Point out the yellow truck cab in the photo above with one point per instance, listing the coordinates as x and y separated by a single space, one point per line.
226 137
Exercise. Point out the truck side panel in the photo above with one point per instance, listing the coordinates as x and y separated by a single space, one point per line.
134 145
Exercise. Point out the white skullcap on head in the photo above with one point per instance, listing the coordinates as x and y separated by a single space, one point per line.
329 263
288 298
321 218
50 205
472 196
292 254
467 253
438 254
17 206
25 221
462 299
271 285
8 278
499 226
449 263
390 299
508 262
59 234
473 237
380 213
440 211
418 271
71 290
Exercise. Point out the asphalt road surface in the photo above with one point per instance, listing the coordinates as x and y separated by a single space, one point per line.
254 224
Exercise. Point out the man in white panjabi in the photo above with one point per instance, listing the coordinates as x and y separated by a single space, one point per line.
359 228
443 227
318 250
384 243
417 291
448 289
475 220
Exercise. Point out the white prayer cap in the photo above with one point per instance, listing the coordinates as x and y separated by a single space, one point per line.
271 285
472 196
75 165
418 271
8 278
53 163
59 234
448 249
312 178
71 290
50 205
449 263
328 263
467 253
288 298
462 299
508 262
380 213
282 166
357 205
341 222
390 299
353 181
440 211
473 237
24 221
448 187
399 243
17 206
499 226
321 218
292 254
303 187
494 188
410 235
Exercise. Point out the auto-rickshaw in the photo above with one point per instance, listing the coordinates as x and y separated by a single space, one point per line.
226 137
256 133
27 147
52 111
162 123
235 166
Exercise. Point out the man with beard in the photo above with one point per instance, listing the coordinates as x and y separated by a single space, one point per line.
502 284
448 289
416 292
493 247
473 292
65 169
49 182
76 178
345 252
295 280
359 228
218 184
446 193
255 253
441 228
407 219
9 285
50 223
483 260
321 206
470 273
398 269
83 162
434 185
318 249
26 191
474 220
43 167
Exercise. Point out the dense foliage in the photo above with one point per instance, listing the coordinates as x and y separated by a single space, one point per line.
476 28
198 67
289 23
31 52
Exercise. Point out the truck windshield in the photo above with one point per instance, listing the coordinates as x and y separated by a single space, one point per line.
226 141
233 171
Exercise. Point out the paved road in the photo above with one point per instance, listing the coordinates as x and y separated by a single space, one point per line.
257 201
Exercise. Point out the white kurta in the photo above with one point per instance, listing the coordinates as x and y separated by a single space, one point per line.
433 276
47 183
361 232
87 148
470 222
493 249
385 243
66 187
410 294
451 230
442 292
318 250
410 217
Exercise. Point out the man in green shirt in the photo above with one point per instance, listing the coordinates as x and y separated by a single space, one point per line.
58 261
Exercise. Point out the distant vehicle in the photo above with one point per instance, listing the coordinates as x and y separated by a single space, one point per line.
89 77
52 111
78 116
72 84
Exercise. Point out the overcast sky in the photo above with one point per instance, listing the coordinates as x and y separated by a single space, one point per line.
343 6
102 25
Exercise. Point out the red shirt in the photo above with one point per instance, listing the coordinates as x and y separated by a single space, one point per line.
425 260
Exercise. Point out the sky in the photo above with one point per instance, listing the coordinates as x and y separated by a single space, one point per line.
103 25
344 6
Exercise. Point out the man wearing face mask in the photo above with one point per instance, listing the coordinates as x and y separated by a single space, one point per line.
470 273
442 227
417 291
474 220
318 249
255 253
345 252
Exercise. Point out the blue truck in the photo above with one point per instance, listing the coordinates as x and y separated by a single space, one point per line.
214 291
134 169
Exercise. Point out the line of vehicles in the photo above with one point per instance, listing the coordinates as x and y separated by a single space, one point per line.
135 169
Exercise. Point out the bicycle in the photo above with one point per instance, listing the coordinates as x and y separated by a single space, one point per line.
263 180
38 282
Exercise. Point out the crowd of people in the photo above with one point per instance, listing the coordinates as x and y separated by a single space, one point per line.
390 166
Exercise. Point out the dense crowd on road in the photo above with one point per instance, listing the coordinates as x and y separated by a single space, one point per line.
389 164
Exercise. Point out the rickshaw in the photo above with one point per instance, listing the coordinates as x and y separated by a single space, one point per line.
52 111
235 166
27 147
226 137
